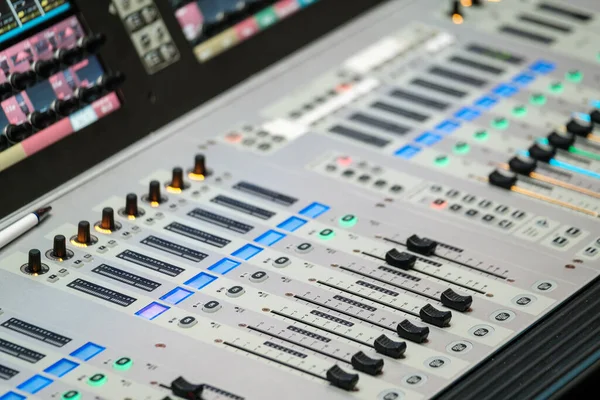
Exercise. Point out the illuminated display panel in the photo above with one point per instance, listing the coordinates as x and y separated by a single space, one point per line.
17 16
215 26
60 86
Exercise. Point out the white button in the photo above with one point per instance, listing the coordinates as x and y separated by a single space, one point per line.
112 243
573 232
159 215
126 235
77 264
187 322
88 257
52 278
62 272
135 229
102 249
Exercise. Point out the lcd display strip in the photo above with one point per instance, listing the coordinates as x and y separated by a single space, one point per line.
214 27
17 17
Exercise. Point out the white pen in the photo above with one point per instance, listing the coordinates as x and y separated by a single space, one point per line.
23 225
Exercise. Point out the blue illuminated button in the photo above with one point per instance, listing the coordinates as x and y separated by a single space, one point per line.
177 295
292 224
505 90
428 139
201 280
97 380
224 266
152 311
123 364
12 396
71 395
247 252
87 351
486 102
326 234
448 126
34 384
61 367
314 210
407 152
468 114
348 220
543 67
269 238
523 79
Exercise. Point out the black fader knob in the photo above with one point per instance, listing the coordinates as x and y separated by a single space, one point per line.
92 43
503 179
455 301
522 164
456 12
110 81
388 347
22 80
433 316
420 245
108 220
542 152
561 140
131 205
154 196
65 107
409 331
177 183
18 133
34 263
182 388
595 116
580 125
42 119
46 68
6 90
341 379
59 249
363 363
68 57
400 260
87 95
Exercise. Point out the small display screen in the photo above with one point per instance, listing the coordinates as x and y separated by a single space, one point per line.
18 106
215 26
17 16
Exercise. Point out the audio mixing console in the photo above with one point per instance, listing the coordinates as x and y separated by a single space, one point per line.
378 217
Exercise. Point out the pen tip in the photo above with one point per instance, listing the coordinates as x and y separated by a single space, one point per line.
43 211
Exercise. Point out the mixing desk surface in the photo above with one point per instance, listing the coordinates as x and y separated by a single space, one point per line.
407 208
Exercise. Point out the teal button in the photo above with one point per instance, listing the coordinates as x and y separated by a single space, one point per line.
348 221
519 111
574 76
500 123
97 380
481 135
71 395
266 17
538 99
462 148
326 234
557 87
123 364
441 161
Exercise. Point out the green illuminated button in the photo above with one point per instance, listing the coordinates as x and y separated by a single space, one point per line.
326 234
557 87
574 76
97 380
123 364
519 111
500 123
442 161
481 135
71 395
462 148
538 99
348 220
266 17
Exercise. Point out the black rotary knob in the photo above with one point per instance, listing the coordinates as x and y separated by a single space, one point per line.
87 95
108 219
65 107
110 81
199 165
34 264
18 133
22 80
42 119
154 194
6 90
68 57
131 205
92 43
59 249
177 181
83 233
46 68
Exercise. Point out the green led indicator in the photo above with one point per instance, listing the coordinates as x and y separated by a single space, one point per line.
583 153
519 111
266 17
462 148
481 135
326 234
71 395
557 87
123 364
348 221
538 99
442 161
97 380
574 76
500 123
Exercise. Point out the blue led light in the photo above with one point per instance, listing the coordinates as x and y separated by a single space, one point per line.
428 139
486 102
61 368
201 280
505 90
407 152
176 295
224 266
292 224
542 67
448 126
583 116
247 252
468 114
523 79
152 310
314 210
87 351
269 238
573 168
34 384
12 396
595 103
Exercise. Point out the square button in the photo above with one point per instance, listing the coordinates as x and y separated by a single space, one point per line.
488 218
573 232
590 252
560 241
455 207
501 209
505 224
52 278
518 214
471 212
469 198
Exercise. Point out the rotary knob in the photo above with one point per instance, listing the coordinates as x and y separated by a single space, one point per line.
65 107
84 237
177 183
154 196
131 209
199 172
108 224
59 251
46 68
34 265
